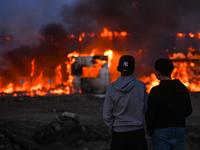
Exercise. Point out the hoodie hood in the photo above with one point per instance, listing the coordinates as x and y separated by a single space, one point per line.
124 83
174 87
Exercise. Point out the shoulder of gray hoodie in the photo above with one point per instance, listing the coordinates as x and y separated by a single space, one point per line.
128 87
125 84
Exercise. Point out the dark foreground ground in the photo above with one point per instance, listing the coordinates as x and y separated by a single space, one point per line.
37 118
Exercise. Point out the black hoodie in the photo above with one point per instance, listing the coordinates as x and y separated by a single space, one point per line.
168 105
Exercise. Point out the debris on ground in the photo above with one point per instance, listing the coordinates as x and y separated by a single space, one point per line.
66 131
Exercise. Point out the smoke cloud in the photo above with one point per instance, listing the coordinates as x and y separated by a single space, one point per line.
148 22
50 51
149 17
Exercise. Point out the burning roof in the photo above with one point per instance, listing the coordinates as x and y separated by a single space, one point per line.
54 69
187 68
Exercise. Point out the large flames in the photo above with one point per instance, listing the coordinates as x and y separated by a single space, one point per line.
39 85
187 69
105 33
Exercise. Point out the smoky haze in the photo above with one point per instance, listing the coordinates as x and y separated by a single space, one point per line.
148 22
153 16
50 51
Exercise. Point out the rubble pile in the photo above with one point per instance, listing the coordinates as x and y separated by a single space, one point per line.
66 131
63 133
14 140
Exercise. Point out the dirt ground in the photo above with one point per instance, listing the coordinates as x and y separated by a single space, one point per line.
26 115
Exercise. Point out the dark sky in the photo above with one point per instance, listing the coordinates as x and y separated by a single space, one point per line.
25 20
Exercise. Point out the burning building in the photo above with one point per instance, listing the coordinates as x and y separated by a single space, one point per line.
85 73
137 27
90 74
187 68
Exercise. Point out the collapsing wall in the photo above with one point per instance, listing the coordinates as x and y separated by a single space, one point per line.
91 74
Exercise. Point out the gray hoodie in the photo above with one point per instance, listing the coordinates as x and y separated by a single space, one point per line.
125 104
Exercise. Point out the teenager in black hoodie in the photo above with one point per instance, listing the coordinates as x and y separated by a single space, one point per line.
168 106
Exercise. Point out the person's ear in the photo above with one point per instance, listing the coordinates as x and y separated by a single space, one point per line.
158 75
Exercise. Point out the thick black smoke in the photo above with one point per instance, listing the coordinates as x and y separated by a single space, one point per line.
150 23
48 53
151 16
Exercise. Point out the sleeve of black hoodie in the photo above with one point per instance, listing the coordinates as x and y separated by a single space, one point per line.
152 110
188 111
188 105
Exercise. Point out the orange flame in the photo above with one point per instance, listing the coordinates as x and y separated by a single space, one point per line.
181 34
9 88
110 34
191 35
33 67
80 38
150 81
123 33
184 70
90 72
109 53
43 86
198 35
58 77
105 33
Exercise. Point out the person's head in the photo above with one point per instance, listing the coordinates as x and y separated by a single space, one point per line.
163 67
126 65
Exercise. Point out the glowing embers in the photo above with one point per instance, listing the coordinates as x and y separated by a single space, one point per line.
104 34
4 38
191 35
110 34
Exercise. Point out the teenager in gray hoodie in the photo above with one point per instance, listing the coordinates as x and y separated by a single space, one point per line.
124 108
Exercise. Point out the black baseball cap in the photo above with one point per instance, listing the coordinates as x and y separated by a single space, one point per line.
126 64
